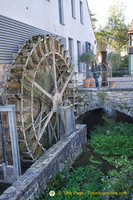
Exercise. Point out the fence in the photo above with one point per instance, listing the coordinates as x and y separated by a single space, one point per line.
111 79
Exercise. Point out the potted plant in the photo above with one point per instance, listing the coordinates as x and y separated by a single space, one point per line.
112 84
87 58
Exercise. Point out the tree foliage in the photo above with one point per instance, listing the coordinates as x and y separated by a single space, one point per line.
93 20
87 58
116 28
114 59
115 31
117 61
101 37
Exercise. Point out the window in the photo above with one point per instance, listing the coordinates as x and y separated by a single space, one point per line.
131 40
81 12
88 47
70 46
78 54
61 13
73 8
131 62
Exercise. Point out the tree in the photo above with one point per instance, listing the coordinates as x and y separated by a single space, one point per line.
114 34
116 29
118 63
124 62
87 58
114 60
101 36
93 20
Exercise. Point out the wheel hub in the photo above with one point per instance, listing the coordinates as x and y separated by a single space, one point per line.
57 100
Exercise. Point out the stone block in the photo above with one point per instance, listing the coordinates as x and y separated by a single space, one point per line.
34 180
67 115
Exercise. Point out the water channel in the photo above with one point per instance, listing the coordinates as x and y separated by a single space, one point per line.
92 119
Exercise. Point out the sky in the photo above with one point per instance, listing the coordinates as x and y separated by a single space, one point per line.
101 7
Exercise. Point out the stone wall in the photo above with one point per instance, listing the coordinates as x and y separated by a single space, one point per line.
33 181
117 99
3 76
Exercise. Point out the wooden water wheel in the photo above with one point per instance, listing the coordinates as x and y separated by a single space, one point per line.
37 81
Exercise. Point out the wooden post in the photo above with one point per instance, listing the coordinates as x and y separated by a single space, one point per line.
104 68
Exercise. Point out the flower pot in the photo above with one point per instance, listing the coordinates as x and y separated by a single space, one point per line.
112 84
92 82
86 83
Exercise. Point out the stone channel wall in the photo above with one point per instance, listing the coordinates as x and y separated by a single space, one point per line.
116 99
34 180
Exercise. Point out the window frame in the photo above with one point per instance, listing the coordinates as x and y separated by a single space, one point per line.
71 47
73 10
131 40
78 55
61 11
81 12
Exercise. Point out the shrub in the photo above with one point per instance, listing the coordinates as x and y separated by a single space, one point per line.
119 64
120 181
113 138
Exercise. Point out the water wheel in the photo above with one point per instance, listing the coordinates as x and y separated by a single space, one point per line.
36 84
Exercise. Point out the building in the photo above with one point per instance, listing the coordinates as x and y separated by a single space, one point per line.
69 19
130 33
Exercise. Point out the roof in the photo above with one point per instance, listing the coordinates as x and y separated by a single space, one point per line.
130 30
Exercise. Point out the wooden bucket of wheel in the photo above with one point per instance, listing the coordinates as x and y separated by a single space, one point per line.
86 83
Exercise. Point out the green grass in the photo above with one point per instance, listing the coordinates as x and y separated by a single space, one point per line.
113 138
93 160
112 142
75 184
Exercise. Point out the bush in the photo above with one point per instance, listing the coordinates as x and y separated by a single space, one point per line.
112 144
114 59
113 138
119 64
120 181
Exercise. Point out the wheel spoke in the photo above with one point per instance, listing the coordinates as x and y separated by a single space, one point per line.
53 131
45 125
58 69
36 55
59 80
54 66
46 47
29 78
66 83
40 122
41 97
41 50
